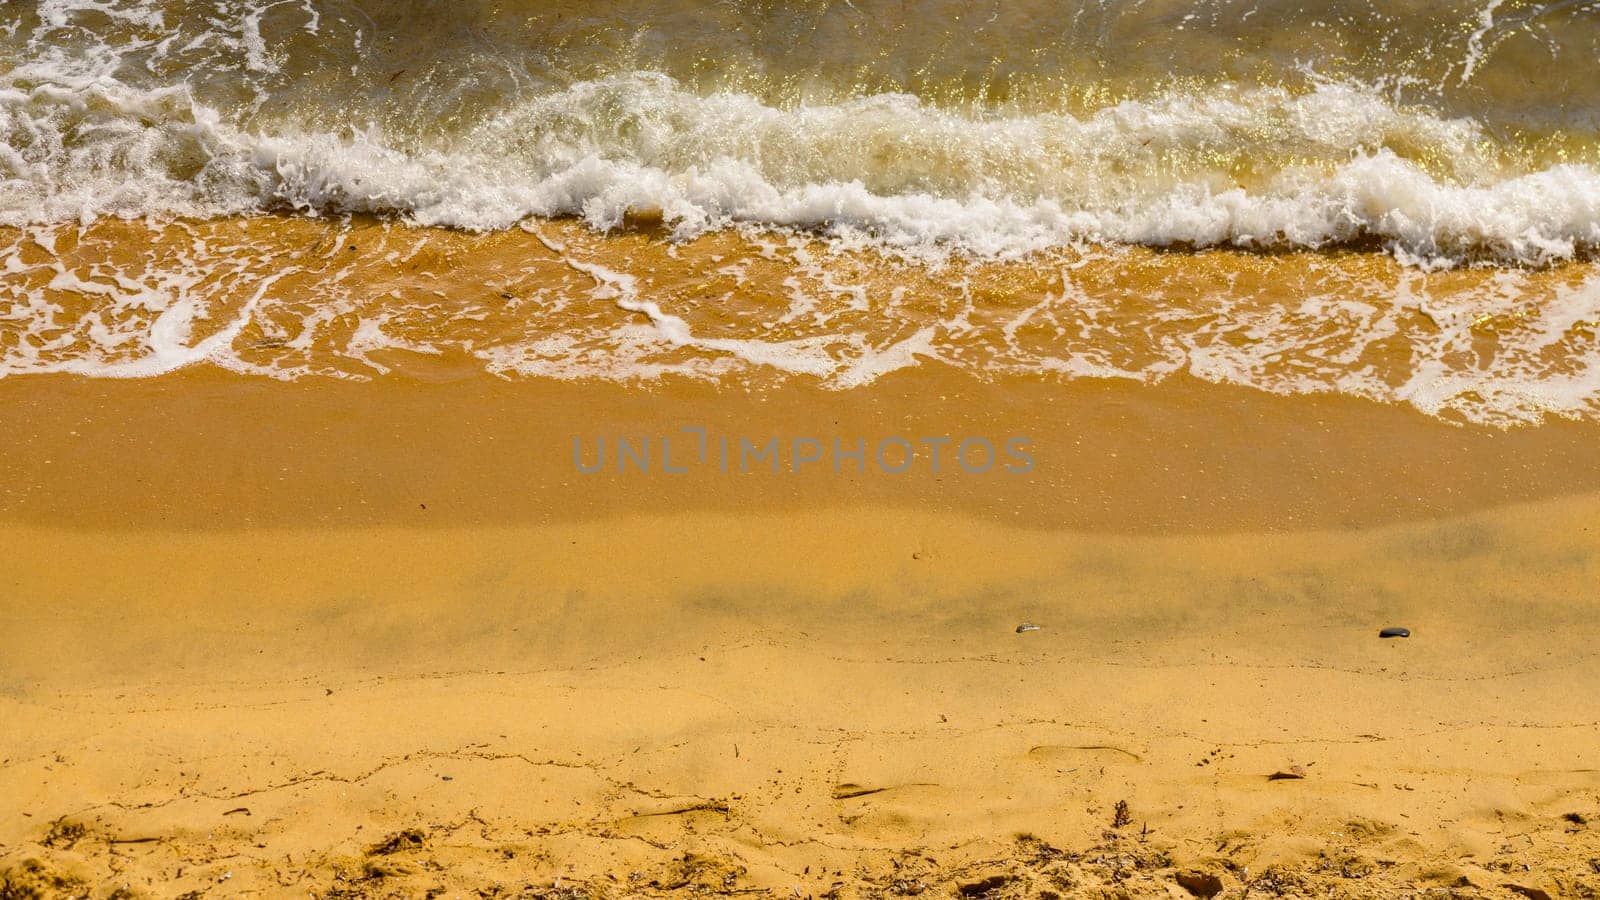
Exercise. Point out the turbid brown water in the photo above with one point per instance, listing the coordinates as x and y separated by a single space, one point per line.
294 298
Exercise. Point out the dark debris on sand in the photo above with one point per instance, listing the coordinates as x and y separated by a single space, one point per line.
464 860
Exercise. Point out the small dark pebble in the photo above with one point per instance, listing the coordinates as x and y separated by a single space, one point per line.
1395 632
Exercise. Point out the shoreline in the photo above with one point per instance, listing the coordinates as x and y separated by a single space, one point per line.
803 451
302 299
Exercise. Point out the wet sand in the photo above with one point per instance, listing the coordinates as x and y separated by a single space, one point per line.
207 450
383 640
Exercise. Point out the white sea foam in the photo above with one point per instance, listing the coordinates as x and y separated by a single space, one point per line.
1497 346
1249 168
113 108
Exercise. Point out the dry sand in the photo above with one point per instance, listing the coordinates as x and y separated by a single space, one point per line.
382 640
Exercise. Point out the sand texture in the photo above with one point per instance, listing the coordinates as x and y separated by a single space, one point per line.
777 692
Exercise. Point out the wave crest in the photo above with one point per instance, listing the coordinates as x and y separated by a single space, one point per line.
1249 168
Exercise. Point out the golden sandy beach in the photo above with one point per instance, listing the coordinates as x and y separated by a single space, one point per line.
275 640
974 449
